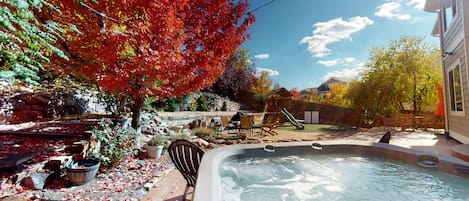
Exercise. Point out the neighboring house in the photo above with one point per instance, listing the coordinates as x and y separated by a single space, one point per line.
305 93
452 26
323 89
326 86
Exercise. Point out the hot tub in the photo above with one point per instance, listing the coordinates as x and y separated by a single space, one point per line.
329 170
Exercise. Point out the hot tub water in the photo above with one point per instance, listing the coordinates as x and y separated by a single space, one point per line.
335 177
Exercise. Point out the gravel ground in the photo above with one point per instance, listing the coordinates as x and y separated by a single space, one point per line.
130 181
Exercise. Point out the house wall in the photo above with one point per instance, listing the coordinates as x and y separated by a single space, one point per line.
456 40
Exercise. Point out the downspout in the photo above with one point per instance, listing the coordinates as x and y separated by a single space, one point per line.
445 79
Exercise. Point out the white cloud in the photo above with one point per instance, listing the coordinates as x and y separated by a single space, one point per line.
270 71
349 73
333 31
349 59
329 63
262 56
334 62
362 64
417 4
391 10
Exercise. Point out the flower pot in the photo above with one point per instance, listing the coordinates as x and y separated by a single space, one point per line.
81 171
155 151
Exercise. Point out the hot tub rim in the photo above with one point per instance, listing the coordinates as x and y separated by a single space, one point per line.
209 170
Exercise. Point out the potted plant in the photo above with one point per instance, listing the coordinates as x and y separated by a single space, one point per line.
155 146
81 171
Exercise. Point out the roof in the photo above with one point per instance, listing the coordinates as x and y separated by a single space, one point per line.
432 6
333 80
280 92
307 91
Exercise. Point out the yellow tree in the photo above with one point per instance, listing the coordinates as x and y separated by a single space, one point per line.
261 87
404 73
263 84
336 95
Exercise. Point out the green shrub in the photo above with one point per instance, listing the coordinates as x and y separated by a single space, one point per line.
261 102
171 105
205 133
149 102
193 106
160 105
202 104
157 140
224 107
115 142
181 136
166 144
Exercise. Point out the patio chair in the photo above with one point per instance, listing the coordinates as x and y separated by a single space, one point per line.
246 123
216 123
269 124
186 156
226 124
385 138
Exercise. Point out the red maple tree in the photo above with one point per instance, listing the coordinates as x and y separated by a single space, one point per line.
296 95
160 48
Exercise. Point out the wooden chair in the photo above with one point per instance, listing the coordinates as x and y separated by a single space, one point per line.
226 123
269 124
186 156
246 123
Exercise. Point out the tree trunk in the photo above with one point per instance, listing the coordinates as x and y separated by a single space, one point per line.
136 111
415 95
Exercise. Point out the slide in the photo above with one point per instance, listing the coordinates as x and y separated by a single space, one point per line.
292 119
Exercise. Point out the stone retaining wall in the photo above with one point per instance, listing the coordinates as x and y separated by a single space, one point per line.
184 118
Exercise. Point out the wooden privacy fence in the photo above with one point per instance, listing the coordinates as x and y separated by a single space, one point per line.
328 114
404 121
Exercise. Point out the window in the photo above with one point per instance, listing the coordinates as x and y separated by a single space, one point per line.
450 11
455 88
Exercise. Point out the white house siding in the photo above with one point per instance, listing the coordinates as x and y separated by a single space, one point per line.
458 122
455 40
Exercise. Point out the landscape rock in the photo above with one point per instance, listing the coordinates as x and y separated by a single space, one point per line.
201 142
213 146
215 102
141 163
218 141
150 123
38 181
148 186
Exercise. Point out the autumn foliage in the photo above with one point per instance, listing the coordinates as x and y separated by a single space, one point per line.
160 48
296 95
238 76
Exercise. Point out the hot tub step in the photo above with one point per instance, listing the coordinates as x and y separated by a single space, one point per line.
461 151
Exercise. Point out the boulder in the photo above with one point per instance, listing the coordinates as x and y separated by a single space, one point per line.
38 181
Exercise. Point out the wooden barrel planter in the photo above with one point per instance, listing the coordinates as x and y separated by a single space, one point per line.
82 171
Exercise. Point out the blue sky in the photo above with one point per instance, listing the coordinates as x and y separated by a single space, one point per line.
304 42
